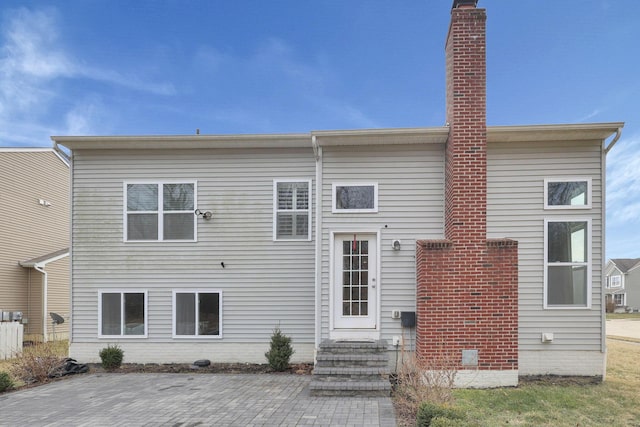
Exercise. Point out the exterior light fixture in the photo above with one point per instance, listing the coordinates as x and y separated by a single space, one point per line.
206 215
396 244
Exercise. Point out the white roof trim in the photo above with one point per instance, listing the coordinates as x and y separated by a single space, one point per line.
45 259
427 135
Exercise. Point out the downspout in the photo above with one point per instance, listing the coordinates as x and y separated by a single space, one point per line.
613 141
317 152
603 337
69 158
45 291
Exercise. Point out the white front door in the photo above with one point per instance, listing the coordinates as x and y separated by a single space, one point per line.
355 282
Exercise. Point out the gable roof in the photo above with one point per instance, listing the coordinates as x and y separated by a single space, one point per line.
626 264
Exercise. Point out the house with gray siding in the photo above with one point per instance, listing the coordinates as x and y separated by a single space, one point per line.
483 243
623 284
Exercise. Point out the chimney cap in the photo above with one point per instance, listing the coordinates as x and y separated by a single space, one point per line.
464 3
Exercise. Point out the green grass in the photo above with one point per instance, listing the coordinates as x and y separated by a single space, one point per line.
631 316
616 402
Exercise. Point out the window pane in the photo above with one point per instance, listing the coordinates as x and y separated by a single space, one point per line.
285 195
567 241
567 285
142 227
355 197
185 314
284 225
567 193
302 225
134 314
302 195
111 314
177 197
209 314
142 197
178 226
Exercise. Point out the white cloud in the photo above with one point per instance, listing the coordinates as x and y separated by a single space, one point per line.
623 182
33 64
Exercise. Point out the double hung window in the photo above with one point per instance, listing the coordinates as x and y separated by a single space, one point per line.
567 263
160 211
292 210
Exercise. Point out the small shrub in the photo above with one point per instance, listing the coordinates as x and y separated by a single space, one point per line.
37 363
111 357
421 380
428 412
280 351
6 383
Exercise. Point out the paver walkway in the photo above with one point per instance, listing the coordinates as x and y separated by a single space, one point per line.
188 400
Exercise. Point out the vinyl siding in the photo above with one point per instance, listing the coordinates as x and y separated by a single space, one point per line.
264 283
30 230
59 297
515 210
410 182
632 287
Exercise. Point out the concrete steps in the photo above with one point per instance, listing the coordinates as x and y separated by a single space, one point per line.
351 368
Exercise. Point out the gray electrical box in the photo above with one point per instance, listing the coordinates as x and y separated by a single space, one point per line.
408 319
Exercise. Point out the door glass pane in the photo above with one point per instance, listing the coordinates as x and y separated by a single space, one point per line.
355 279
111 314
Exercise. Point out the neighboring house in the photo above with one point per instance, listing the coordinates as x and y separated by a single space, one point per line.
623 282
492 235
34 244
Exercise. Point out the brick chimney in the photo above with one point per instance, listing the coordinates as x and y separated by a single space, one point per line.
466 154
467 286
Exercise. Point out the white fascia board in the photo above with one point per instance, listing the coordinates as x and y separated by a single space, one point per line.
147 142
556 132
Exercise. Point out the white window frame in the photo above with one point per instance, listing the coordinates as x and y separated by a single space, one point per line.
624 299
160 211
334 187
547 181
610 281
588 264
122 292
294 209
174 317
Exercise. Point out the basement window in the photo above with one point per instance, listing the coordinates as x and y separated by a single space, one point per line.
197 313
122 314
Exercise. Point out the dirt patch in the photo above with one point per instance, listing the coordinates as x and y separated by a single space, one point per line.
558 380
214 368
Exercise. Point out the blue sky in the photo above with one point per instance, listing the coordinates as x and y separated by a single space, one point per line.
116 67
